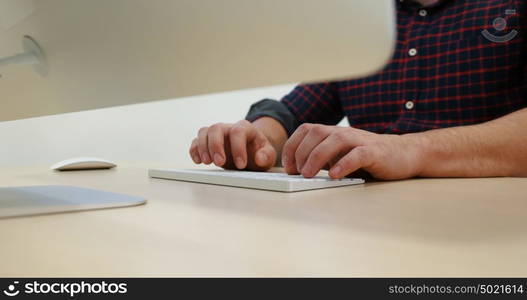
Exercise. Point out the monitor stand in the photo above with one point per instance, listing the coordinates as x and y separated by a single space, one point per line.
37 200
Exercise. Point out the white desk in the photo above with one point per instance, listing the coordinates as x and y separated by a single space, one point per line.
440 227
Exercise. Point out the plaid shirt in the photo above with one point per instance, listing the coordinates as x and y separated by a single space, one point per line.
446 71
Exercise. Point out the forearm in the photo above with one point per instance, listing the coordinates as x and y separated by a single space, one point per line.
275 133
495 148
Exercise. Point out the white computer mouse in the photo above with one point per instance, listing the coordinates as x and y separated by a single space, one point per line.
83 163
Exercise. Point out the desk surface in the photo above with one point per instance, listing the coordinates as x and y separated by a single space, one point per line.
422 227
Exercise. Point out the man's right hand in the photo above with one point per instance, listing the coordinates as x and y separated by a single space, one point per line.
233 146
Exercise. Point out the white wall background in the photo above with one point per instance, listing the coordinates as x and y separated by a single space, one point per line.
158 132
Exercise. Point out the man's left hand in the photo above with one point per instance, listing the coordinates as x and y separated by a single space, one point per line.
344 150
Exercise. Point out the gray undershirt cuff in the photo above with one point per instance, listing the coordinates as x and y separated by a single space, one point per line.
276 110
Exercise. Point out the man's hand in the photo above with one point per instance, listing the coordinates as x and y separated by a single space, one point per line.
233 146
345 150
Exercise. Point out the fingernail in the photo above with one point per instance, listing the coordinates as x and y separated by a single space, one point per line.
262 157
239 162
196 159
218 159
206 158
336 170
306 171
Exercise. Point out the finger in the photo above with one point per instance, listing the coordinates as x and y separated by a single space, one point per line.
290 146
265 157
264 154
203 148
316 135
216 146
323 155
359 157
239 134
193 151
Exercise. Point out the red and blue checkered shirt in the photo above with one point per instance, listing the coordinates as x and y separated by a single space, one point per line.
453 65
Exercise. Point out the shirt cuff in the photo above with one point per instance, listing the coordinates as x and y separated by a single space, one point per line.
275 110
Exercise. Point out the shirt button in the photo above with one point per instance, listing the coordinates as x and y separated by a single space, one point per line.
423 13
412 52
409 105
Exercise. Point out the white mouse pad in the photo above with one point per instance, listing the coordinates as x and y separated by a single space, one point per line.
35 200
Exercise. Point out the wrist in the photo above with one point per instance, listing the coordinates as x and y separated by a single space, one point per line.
419 145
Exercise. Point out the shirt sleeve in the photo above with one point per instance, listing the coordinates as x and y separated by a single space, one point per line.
307 103
315 103
276 110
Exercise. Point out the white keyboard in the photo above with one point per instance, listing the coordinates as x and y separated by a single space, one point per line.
254 180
